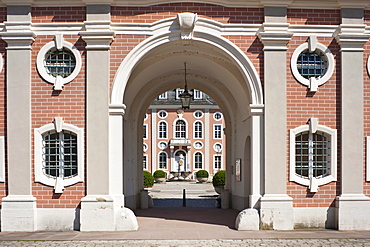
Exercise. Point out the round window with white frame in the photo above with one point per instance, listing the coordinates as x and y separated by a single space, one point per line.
145 147
58 62
198 114
312 64
217 116
368 65
198 145
162 145
162 114
217 147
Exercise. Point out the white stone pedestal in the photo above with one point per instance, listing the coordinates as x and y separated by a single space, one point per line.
248 220
106 213
18 213
277 212
353 212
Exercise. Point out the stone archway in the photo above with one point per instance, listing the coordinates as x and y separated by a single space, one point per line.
215 66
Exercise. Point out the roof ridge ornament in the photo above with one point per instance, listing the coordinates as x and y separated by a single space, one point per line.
187 22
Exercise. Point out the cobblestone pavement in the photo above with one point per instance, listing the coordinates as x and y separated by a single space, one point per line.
196 243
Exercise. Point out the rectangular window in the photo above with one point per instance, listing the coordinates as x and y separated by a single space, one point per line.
145 162
217 162
198 163
217 131
197 94
145 133
179 91
162 160
198 130
163 96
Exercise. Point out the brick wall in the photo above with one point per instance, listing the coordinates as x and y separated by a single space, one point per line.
47 104
301 105
58 14
215 12
313 16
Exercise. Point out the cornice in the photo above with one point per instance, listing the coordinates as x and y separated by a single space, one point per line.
331 4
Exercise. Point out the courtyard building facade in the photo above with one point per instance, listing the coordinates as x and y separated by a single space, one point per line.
291 80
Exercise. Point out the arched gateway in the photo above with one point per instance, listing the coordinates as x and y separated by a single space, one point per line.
215 66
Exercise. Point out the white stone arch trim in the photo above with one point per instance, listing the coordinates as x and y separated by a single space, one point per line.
41 66
39 175
329 71
206 31
186 127
333 164
368 66
195 122
203 165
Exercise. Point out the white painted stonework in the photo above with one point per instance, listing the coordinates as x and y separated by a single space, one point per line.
248 220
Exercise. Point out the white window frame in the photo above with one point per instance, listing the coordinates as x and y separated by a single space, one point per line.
145 147
50 181
330 63
163 95
145 127
2 158
179 91
159 160
214 162
194 145
195 131
159 130
186 128
333 155
368 65
162 111
41 56
214 116
202 161
198 111
160 145
145 158
214 132
214 147
368 158
197 94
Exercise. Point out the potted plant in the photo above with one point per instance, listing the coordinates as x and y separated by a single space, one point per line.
202 176
219 180
159 176
148 180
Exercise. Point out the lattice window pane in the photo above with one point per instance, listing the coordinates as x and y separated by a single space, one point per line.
312 64
60 62
180 129
198 161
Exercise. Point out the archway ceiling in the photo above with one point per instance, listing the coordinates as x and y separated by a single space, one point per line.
208 70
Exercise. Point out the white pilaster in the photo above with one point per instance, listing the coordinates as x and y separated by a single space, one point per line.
276 207
18 211
352 206
154 140
102 209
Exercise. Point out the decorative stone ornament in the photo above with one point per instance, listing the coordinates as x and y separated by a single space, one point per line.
187 23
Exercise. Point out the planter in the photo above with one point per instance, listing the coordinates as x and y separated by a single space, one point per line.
219 189
202 180
160 180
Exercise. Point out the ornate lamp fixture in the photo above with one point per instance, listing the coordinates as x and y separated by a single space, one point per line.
185 96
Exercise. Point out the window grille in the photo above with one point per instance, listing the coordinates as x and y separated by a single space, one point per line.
60 154
217 132
198 130
162 129
312 154
198 114
197 94
60 62
162 114
163 96
217 162
198 161
180 129
312 64
162 160
217 116
145 134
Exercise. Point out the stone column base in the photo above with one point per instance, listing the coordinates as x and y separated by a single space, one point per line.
248 220
106 213
276 212
18 213
353 212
